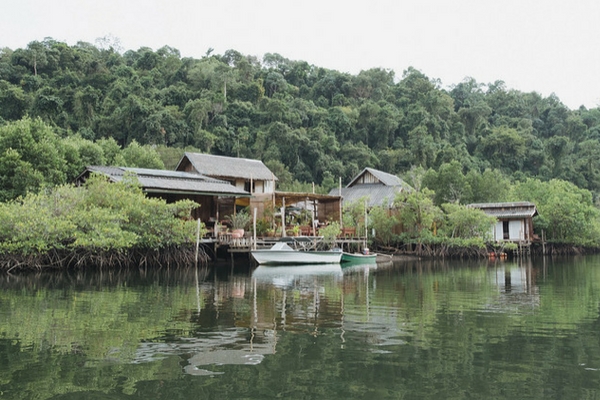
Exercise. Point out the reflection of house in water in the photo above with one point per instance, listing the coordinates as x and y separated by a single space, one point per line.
517 285
243 318
256 331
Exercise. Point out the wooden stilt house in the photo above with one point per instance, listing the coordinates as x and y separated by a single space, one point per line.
514 220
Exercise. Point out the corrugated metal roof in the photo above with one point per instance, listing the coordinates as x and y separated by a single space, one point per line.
230 167
378 195
153 180
513 204
515 214
514 210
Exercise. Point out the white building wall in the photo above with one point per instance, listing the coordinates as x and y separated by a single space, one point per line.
497 233
516 230
269 186
259 187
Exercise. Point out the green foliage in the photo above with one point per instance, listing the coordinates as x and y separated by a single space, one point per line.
146 156
382 220
100 216
449 183
263 225
418 214
504 148
330 232
353 214
491 186
467 223
33 157
567 213
60 105
309 123
239 220
13 101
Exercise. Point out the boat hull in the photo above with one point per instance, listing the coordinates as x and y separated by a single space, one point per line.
355 258
287 257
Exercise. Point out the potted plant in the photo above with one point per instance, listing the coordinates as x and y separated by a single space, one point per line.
262 227
239 222
296 230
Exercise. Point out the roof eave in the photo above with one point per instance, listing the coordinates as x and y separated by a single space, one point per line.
189 192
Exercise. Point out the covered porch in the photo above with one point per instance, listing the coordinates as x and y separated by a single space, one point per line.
297 212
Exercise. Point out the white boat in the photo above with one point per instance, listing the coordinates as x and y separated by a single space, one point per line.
282 254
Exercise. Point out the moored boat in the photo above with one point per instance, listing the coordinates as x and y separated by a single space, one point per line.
358 258
282 254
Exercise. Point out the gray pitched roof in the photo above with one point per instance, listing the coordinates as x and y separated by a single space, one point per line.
514 210
380 192
163 181
228 167
383 177
378 195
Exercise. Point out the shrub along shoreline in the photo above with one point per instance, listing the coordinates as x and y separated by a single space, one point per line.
100 224
93 258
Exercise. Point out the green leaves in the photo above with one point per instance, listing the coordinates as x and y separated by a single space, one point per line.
100 216
467 223
567 213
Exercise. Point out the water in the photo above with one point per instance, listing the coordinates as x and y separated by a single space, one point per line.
410 330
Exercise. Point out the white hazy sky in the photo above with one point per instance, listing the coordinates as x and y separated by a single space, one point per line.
546 46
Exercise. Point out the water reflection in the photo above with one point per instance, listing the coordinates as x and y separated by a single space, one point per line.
289 276
415 317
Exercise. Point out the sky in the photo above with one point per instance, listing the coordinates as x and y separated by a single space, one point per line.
544 46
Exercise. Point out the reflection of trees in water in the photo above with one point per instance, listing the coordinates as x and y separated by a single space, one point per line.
391 327
94 278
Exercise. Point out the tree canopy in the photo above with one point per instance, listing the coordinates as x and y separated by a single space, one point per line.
63 107
314 121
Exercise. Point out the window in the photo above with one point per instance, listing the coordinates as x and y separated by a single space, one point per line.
505 230
247 186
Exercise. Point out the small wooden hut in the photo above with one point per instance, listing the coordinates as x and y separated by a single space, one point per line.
514 220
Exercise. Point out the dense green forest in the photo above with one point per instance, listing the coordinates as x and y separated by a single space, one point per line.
308 123
64 107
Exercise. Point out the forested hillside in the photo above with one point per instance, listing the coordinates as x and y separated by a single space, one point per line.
307 123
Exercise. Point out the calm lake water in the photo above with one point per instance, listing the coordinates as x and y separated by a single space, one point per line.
410 330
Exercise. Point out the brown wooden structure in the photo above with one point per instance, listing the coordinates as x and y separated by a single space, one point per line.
322 207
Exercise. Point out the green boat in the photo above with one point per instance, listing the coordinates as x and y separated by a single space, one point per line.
358 258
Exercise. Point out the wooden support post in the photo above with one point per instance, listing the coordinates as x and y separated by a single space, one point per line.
543 243
283 219
197 241
254 229
341 208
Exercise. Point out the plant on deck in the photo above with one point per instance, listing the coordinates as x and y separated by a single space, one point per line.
239 220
